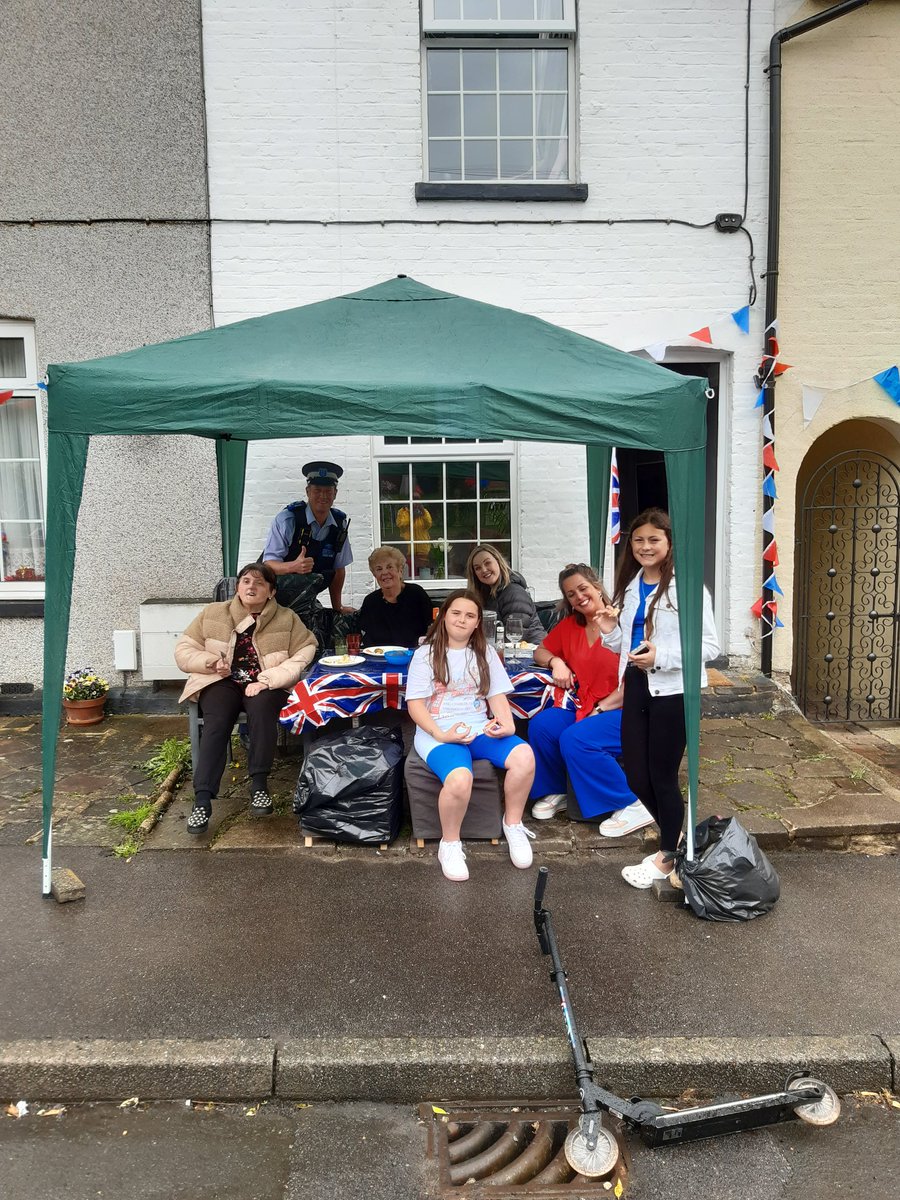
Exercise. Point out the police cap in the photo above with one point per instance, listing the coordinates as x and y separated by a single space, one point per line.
322 474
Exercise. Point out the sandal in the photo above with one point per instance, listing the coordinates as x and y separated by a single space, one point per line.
645 874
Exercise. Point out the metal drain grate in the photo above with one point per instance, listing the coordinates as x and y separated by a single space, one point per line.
510 1152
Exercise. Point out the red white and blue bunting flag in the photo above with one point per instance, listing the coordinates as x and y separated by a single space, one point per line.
740 317
615 517
888 380
4 396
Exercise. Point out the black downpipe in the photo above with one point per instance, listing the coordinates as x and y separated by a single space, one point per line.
774 232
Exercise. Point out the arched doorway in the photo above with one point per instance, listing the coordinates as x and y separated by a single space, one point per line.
847 623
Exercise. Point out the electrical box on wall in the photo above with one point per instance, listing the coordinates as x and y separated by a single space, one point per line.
162 624
125 649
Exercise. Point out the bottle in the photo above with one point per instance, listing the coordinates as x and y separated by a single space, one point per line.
498 641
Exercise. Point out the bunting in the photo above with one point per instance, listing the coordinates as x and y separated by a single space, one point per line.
4 396
888 380
706 333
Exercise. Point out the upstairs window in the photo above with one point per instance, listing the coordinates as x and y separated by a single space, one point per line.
21 467
498 81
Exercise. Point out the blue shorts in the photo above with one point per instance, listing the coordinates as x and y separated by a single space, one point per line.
450 755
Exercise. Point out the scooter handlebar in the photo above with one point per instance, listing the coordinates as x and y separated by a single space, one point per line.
540 887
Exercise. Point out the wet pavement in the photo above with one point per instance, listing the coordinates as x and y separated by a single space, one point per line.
286 945
377 1152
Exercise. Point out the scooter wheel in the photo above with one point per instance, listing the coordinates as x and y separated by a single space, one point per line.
819 1112
591 1163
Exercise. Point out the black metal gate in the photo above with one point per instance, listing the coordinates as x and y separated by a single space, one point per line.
846 659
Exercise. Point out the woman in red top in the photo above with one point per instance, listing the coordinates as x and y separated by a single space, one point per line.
585 743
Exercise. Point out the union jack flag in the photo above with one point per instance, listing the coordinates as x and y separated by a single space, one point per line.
615 524
314 701
320 697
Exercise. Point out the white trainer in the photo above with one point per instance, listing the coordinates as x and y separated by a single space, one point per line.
626 820
517 839
452 858
549 806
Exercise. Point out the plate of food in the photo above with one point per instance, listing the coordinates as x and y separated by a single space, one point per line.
341 660
377 653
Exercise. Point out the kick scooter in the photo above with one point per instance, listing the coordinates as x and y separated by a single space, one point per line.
592 1149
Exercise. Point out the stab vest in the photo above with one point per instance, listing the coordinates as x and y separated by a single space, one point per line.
321 552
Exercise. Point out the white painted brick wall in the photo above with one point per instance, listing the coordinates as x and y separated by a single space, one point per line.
314 118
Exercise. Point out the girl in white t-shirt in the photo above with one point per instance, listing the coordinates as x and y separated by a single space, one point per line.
456 694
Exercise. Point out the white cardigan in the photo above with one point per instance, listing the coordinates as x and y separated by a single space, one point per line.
665 676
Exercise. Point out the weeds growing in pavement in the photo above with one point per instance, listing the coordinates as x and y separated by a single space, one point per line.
127 849
129 819
174 752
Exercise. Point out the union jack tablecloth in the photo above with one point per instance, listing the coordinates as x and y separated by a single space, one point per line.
325 694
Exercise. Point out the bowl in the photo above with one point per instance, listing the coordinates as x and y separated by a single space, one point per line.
398 658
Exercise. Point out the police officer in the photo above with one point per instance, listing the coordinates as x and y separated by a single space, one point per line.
308 547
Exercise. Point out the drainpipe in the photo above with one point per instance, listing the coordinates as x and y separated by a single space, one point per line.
774 71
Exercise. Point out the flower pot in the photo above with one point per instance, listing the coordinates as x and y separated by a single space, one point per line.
84 712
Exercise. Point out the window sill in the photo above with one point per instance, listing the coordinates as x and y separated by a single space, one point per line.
502 191
21 608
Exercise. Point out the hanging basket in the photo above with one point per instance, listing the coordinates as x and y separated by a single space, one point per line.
84 712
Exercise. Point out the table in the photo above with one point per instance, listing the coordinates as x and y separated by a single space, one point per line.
373 687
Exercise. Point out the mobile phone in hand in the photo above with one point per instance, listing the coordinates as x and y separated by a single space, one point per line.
641 648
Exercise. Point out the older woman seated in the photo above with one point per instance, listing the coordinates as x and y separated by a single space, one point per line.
502 590
585 743
399 613
245 654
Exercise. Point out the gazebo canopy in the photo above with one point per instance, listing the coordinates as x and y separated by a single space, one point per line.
399 358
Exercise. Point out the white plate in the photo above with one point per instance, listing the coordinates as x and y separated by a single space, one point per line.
377 653
341 660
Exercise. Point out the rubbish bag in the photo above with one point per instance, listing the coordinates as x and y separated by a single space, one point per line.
350 787
729 879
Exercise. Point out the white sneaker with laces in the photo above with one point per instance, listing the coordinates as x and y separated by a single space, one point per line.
452 858
517 839
549 806
626 820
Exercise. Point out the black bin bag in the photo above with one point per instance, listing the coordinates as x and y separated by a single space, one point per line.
350 787
729 879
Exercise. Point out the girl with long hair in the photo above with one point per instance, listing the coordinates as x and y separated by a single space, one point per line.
648 640
456 693
502 590
583 743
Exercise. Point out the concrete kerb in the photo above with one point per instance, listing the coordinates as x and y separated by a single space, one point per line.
410 1070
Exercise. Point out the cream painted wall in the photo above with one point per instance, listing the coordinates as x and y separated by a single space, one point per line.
839 290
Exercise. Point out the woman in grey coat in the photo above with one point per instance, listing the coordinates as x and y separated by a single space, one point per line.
503 590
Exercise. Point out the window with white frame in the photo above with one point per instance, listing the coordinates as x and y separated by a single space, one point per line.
438 497
21 466
499 91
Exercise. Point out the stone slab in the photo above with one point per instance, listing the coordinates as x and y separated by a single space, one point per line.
865 815
65 886
154 1069
711 1066
411 1070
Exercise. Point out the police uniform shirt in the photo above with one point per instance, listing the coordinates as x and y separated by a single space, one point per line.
282 531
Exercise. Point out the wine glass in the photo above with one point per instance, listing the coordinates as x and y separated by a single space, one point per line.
515 631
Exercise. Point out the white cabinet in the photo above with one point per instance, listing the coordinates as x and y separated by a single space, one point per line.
162 624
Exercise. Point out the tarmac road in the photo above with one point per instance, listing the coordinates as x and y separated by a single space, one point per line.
279 945
377 1152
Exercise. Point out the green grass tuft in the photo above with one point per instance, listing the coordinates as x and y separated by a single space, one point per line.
130 819
174 752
